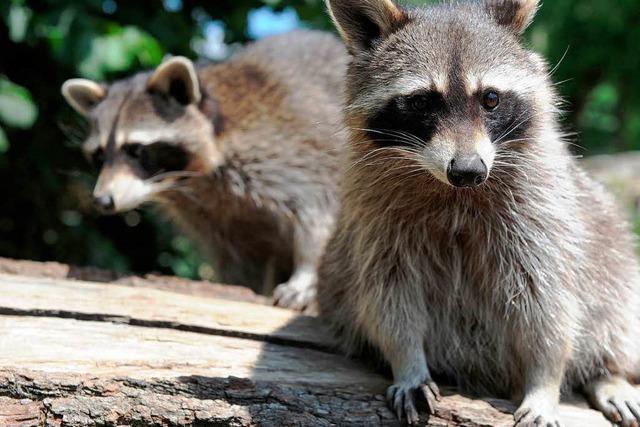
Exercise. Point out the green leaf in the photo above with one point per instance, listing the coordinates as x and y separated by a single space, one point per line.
18 22
121 50
4 142
17 108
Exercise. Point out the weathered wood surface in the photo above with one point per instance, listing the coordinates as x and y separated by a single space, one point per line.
151 307
56 270
76 353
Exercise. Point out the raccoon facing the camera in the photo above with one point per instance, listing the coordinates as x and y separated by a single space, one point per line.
470 243
241 154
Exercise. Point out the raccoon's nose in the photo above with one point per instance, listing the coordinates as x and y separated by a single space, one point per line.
104 204
467 171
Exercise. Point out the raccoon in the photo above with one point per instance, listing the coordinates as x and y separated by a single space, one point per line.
241 154
470 243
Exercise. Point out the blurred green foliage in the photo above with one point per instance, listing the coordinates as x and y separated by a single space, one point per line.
45 182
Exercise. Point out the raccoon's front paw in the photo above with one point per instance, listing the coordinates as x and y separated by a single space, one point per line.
296 294
401 399
618 400
537 411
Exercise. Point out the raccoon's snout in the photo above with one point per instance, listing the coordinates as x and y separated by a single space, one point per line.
467 171
104 204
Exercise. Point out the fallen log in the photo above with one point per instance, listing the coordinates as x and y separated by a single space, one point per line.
78 353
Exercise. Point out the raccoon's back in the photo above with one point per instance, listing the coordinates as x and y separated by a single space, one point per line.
286 89
309 60
280 102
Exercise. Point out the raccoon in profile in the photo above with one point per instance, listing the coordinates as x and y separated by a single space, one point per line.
241 154
470 243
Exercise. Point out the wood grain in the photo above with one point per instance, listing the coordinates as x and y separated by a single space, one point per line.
142 307
76 353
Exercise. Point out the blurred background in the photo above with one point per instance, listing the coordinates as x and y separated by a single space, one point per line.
45 183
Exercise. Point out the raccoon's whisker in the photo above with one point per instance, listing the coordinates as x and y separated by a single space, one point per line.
404 136
405 150
411 137
367 156
561 82
512 162
508 131
524 160
173 174
399 154
516 140
516 162
509 173
404 169
503 163
576 145
514 128
177 185
387 132
416 171
555 68
565 135
400 141
386 160
511 129
379 152
389 140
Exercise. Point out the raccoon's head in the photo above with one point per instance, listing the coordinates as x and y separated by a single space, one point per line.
146 132
448 87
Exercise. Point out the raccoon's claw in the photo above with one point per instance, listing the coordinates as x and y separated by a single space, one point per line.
401 400
536 414
618 400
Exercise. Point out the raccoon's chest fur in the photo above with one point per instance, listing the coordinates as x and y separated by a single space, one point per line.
467 315
467 295
480 270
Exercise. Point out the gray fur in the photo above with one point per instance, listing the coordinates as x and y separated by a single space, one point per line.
259 194
521 287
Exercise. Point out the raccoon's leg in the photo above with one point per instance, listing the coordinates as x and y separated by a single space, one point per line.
411 377
543 376
618 400
309 243
395 322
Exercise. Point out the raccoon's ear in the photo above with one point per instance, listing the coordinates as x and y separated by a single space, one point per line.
176 78
83 95
513 14
360 22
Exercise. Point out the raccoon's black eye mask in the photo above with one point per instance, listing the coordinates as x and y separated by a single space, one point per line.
508 119
416 114
412 120
158 157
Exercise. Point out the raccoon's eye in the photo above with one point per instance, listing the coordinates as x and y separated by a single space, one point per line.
135 151
97 157
163 157
419 103
490 100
